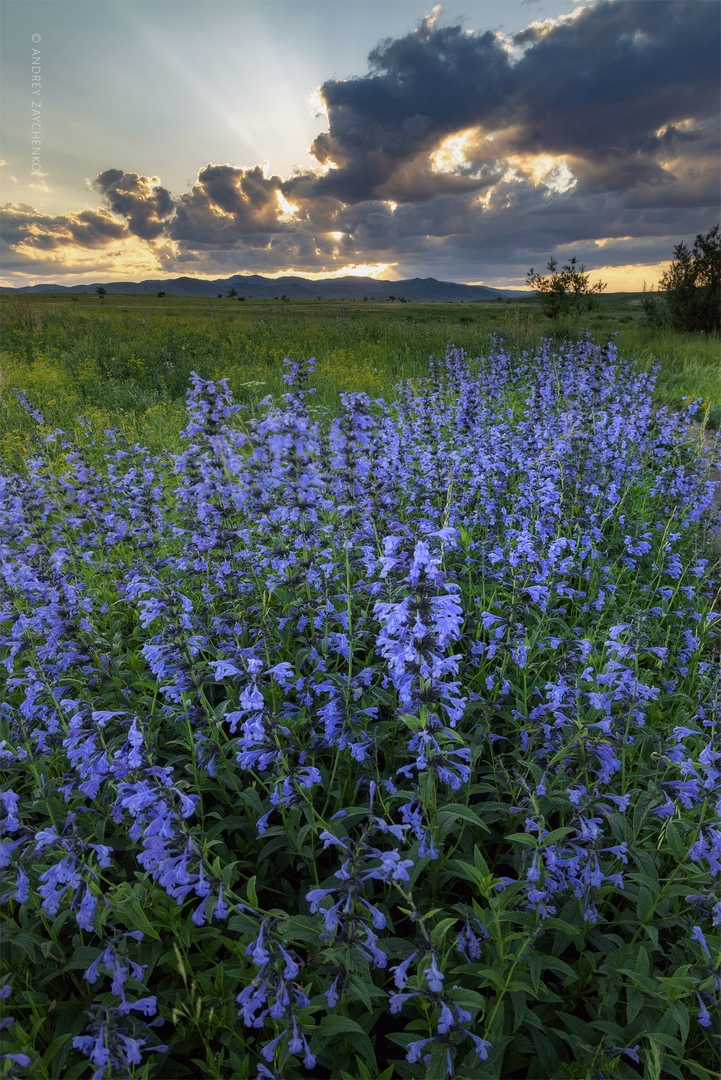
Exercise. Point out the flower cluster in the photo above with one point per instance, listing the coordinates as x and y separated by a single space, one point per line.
401 723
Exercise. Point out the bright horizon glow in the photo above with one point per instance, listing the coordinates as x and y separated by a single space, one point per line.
372 270
631 278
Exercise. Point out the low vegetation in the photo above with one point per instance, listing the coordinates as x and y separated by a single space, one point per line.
125 362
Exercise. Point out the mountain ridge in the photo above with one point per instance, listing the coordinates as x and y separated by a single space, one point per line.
294 287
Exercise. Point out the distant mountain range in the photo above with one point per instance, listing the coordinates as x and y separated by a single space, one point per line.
425 290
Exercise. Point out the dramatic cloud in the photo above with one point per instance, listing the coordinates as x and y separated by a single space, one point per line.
600 86
228 204
608 89
463 155
139 199
421 88
91 242
24 226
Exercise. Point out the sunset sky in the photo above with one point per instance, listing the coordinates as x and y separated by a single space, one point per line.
465 142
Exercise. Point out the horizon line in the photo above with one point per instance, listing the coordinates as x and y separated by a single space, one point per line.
265 277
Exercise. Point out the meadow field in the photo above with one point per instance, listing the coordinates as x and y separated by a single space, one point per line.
124 361
360 693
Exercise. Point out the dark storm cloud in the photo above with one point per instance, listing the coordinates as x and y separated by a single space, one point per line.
421 88
139 199
226 204
597 87
601 86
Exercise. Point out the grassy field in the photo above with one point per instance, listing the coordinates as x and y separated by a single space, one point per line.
124 361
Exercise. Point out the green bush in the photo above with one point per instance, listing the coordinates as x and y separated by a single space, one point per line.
692 286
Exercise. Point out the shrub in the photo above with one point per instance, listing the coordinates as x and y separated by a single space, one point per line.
692 285
566 290
654 309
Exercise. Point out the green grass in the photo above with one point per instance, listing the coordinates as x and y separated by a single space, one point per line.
124 361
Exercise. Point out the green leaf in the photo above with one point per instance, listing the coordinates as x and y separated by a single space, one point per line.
463 813
547 1054
493 1068
681 1016
479 862
639 980
130 909
414 723
663 1039
678 848
29 944
642 962
359 990
468 999
427 788
523 838
578 1028
558 834
495 1029
559 967
646 862
362 1072
441 929
614 1031
521 982
470 873
61 1048
555 923
668 1022
495 978
335 1025
534 970
644 904
520 1008
227 825
694 1069
635 1001
81 958
251 893
652 934
242 924
437 1066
